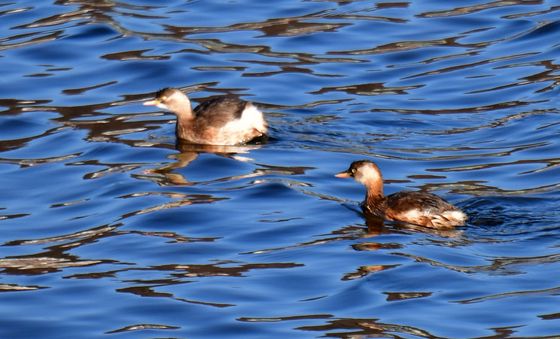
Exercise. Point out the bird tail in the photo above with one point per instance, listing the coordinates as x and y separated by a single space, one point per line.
257 117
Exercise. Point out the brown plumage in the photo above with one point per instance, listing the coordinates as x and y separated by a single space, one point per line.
419 208
225 120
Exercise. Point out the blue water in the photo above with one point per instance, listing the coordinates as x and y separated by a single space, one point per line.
108 230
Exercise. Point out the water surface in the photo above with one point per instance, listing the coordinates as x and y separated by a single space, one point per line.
109 230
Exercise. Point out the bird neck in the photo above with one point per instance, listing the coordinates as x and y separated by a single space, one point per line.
374 190
184 125
184 111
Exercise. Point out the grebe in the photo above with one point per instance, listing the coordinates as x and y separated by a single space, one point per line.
419 208
225 120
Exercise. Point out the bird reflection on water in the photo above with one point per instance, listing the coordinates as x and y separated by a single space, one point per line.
188 153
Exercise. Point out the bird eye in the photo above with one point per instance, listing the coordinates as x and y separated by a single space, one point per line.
353 171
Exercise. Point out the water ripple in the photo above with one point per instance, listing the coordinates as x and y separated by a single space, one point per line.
104 212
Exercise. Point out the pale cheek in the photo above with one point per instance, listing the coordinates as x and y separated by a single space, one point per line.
368 178
362 179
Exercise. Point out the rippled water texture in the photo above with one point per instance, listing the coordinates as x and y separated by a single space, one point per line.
108 230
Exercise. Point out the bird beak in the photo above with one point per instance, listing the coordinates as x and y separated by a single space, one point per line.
343 174
154 102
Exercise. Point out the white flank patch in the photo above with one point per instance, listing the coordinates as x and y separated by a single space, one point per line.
251 119
254 118
447 218
455 215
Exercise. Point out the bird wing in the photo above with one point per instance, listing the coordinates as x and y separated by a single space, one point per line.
216 112
427 203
